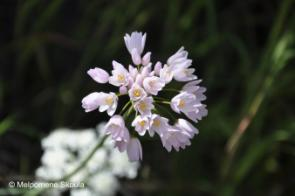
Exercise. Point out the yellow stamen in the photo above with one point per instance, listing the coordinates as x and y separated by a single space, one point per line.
181 104
142 123
157 123
121 78
109 100
136 93
142 106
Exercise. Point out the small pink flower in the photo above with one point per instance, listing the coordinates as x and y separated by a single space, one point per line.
91 102
175 138
135 41
135 45
133 72
134 150
120 76
99 75
144 106
136 92
146 70
188 104
200 112
153 84
187 127
146 58
135 57
158 67
116 128
109 102
159 125
183 102
141 124
166 74
184 74
179 59
194 88
121 145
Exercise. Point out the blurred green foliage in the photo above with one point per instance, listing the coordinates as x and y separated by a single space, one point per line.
243 50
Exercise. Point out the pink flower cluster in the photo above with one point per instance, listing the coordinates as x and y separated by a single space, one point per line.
147 110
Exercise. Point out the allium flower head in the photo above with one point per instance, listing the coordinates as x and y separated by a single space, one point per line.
162 98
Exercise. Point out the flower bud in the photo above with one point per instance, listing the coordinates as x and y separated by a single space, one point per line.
98 75
146 58
134 150
135 57
158 67
123 90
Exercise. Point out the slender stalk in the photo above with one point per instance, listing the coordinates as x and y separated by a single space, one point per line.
119 94
85 161
234 140
125 107
171 90
161 108
163 102
76 170
160 99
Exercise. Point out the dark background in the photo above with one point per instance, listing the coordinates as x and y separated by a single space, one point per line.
243 51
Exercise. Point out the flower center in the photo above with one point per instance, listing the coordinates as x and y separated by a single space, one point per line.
136 93
181 104
142 123
142 106
157 123
120 77
109 101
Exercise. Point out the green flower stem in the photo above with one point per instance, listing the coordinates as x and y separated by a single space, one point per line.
160 99
171 90
85 161
234 140
119 94
163 102
127 112
161 108
125 107
138 67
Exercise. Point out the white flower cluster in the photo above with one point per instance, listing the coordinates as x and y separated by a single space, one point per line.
143 83
65 149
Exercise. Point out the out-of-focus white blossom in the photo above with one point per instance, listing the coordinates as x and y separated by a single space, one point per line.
100 174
